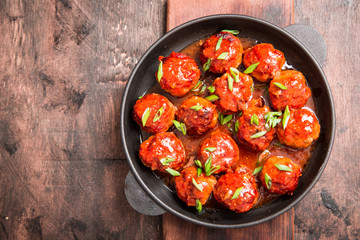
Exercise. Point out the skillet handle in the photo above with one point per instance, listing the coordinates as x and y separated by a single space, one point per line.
311 39
138 199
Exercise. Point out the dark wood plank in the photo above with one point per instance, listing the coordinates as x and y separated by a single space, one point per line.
331 210
279 13
63 68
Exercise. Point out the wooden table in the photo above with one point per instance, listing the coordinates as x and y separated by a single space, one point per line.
63 67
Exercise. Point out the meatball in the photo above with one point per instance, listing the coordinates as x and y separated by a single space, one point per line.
200 119
162 151
229 49
271 61
188 191
296 93
237 190
223 150
154 113
280 175
234 99
177 74
255 134
301 130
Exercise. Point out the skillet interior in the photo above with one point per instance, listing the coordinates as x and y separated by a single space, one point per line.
142 78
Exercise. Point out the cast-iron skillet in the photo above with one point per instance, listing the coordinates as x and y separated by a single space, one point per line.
142 79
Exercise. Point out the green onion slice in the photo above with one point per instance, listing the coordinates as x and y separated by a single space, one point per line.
166 160
263 156
183 128
251 68
196 86
211 89
210 149
237 192
212 98
207 165
282 167
222 56
196 107
199 187
280 85
198 205
286 117
267 181
235 74
236 126
206 65
199 171
257 170
231 31
158 114
259 134
145 116
254 119
218 44
160 71
140 97
173 172
198 163
202 90
212 170
230 83
226 119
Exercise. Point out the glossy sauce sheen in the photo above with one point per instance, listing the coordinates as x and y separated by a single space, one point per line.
248 156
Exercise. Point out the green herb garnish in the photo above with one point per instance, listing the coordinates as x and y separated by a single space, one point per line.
251 68
237 193
262 156
254 119
235 74
230 83
140 97
199 171
226 119
145 116
280 85
206 65
173 172
180 126
211 89
231 31
202 90
210 149
198 163
267 179
160 72
197 185
196 86
257 170
222 56
259 134
282 167
218 44
158 114
212 98
196 107
286 117
198 205
236 126
166 160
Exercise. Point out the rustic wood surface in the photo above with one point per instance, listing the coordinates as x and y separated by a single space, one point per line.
63 68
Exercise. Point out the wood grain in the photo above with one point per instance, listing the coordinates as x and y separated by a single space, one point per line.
279 13
63 68
331 210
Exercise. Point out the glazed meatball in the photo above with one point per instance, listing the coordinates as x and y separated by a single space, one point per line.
234 99
162 151
186 189
255 135
230 51
180 74
271 61
223 150
237 190
154 113
280 175
301 130
296 93
197 121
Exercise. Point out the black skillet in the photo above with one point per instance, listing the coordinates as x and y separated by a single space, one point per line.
142 79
